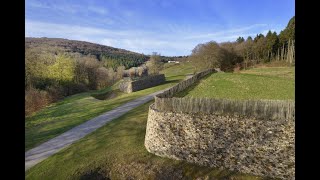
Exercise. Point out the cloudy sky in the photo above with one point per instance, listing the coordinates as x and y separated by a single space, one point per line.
170 27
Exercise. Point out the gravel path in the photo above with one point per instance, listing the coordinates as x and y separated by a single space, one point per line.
43 151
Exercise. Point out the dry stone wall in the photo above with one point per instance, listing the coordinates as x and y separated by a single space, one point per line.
146 82
238 143
255 137
264 109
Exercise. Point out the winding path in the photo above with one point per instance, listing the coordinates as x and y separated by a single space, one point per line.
43 151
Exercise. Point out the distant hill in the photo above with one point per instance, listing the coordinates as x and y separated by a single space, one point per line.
115 56
81 47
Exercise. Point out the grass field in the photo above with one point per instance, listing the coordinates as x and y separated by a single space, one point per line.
256 83
74 110
117 151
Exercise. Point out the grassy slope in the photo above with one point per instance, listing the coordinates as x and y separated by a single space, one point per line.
117 151
74 110
257 83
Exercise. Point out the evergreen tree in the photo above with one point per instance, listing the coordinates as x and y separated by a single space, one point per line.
288 32
240 40
271 44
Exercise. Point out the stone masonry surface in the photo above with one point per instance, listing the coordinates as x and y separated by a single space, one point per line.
234 142
146 82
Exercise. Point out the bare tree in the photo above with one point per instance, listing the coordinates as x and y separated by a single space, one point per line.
205 56
102 77
140 71
111 75
120 71
154 64
132 72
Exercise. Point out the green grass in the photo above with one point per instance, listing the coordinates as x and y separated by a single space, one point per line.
283 72
117 151
107 95
74 110
256 83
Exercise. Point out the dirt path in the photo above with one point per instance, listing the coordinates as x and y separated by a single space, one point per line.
43 151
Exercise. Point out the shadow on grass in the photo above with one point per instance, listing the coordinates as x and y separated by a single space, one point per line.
172 81
107 95
184 170
95 174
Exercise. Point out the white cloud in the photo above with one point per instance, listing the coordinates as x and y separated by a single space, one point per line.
225 32
59 8
49 29
65 7
140 41
177 42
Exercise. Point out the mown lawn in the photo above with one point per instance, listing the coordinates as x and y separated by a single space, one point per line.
74 110
256 83
116 151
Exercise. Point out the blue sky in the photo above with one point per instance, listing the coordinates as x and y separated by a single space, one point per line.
169 27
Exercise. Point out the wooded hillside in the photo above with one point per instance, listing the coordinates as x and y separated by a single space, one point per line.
115 56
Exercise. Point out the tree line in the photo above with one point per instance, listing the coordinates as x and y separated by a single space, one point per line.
243 53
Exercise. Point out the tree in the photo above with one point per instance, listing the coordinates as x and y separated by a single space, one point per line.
291 28
91 64
36 64
249 38
205 56
111 75
120 71
81 74
287 33
259 36
240 40
102 79
248 49
259 47
154 64
271 44
132 72
230 56
62 71
140 71
276 42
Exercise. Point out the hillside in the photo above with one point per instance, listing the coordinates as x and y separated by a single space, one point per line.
124 57
82 47
85 48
